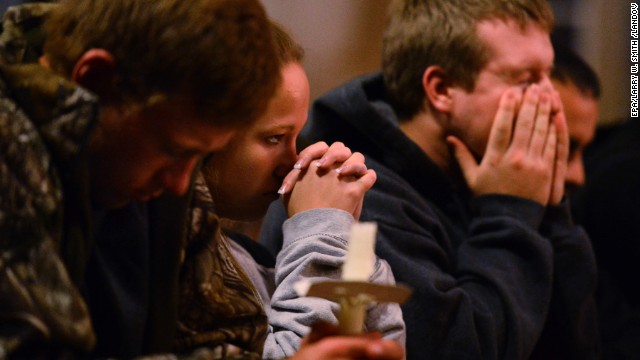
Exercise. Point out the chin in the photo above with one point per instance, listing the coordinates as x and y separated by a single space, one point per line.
102 197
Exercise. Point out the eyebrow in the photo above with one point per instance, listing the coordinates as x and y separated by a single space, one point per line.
279 127
530 69
175 149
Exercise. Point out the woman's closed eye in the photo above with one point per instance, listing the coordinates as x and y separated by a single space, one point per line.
275 139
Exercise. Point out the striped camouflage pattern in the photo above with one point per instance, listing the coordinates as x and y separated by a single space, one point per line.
218 303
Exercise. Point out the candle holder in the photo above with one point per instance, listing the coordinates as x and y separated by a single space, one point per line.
354 292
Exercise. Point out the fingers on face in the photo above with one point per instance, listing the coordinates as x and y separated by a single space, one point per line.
562 156
541 126
526 117
552 156
532 129
556 102
551 145
289 181
463 155
500 135
560 123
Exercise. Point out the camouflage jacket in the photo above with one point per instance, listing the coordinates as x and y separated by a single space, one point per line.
44 123
198 290
218 304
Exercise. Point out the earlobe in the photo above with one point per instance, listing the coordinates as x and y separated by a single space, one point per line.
436 87
96 71
42 60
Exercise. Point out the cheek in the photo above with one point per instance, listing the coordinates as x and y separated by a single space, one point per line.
247 160
148 174
265 160
136 161
483 134
473 123
484 111
252 159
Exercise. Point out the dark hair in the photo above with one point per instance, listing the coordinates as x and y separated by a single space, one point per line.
422 33
569 67
219 53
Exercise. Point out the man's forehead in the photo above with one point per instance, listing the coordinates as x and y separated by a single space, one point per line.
180 126
516 45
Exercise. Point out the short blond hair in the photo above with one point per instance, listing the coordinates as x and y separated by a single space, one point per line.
422 33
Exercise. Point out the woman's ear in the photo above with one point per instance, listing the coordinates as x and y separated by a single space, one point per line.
96 71
437 86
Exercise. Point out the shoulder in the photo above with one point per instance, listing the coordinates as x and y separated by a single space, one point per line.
392 188
394 202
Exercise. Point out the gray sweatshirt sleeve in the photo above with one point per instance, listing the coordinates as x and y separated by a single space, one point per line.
315 243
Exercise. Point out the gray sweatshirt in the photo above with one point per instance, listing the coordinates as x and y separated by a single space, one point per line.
315 245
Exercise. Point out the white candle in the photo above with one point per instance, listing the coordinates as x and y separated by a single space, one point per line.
360 259
358 266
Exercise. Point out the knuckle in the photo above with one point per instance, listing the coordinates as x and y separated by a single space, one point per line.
322 146
518 160
355 193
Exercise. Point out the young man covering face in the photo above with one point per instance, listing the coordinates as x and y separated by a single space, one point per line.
470 144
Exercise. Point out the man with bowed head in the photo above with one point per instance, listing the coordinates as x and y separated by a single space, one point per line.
127 98
469 142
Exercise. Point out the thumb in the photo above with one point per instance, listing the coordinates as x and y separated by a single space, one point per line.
467 162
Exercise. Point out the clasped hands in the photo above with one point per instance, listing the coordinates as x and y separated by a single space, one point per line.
327 177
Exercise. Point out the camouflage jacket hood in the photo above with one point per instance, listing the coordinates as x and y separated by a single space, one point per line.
22 35
45 122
